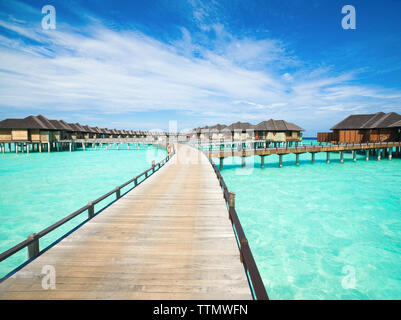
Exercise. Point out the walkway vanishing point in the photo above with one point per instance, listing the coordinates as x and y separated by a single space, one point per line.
168 238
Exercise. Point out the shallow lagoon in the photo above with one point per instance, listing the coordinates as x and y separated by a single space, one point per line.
322 231
39 189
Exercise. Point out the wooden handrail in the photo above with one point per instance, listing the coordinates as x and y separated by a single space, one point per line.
33 239
245 251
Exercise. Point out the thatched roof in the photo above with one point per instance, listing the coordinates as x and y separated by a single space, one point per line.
240 126
61 125
277 125
89 129
396 125
270 125
218 127
77 127
97 130
30 122
386 120
379 120
46 122
66 125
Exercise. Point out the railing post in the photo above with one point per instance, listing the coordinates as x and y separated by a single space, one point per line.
91 210
33 248
231 203
136 181
244 244
118 193
153 166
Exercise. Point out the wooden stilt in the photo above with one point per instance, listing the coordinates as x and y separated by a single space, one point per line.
367 154
297 159
354 155
221 164
262 161
280 160
341 156
327 157
313 157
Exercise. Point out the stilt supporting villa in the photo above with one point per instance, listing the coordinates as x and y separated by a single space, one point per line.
379 149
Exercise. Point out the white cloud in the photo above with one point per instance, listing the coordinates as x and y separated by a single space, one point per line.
287 77
107 71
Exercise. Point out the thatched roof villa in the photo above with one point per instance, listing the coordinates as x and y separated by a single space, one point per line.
362 128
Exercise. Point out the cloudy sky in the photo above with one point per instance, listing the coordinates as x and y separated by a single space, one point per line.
138 64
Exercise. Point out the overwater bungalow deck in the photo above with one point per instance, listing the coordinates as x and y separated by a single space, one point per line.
168 238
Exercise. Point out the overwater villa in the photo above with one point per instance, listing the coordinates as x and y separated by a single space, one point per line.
30 129
275 131
365 128
40 133
41 129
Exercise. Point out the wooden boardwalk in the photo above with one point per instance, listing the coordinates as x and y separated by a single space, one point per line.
169 238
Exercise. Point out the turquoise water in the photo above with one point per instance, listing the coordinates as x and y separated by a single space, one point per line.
322 231
37 190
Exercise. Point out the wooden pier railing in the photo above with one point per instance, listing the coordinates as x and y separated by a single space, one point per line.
257 287
32 242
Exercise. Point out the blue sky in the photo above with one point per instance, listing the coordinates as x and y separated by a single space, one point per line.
139 64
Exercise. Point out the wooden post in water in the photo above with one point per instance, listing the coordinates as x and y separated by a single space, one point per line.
48 147
327 157
242 162
390 154
379 154
221 164
341 156
297 159
280 160
262 161
367 154
354 155
313 157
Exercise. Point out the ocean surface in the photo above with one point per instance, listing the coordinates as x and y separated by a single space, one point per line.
322 231
39 189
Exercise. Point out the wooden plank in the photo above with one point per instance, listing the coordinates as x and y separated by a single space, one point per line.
169 238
